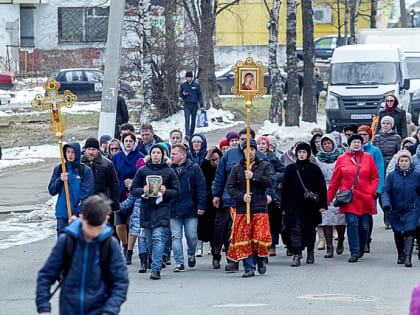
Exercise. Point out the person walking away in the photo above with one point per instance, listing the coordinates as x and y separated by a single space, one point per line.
125 165
400 197
190 92
155 211
356 171
206 222
319 85
122 114
366 133
95 276
80 182
148 139
198 148
398 114
185 209
250 241
326 159
303 215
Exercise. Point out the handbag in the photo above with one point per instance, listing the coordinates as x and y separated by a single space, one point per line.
308 195
345 197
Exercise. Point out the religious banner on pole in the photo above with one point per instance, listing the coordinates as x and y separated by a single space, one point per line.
249 83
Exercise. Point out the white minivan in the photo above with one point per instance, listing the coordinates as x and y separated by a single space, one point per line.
360 78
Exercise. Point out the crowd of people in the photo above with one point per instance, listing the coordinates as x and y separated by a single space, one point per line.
160 192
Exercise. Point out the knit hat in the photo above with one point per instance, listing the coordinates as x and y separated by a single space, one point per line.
273 141
104 138
196 138
252 143
354 137
317 130
402 153
389 119
223 143
303 146
412 140
267 141
164 145
232 135
188 74
365 129
92 143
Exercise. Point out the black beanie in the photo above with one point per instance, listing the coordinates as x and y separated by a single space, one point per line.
189 74
354 137
92 143
252 143
303 146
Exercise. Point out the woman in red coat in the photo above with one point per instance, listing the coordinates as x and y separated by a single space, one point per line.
358 210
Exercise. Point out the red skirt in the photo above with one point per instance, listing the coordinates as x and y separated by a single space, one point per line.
249 238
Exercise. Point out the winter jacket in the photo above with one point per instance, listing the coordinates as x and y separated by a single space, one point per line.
84 290
192 191
194 95
401 195
400 122
261 180
130 203
154 215
145 149
278 175
194 156
122 114
416 160
227 162
298 210
366 186
78 190
379 162
106 180
389 143
125 165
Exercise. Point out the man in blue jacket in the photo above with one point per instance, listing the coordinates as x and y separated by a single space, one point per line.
190 92
80 181
190 203
96 277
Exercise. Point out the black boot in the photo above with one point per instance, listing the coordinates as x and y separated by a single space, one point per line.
125 250
328 234
399 243
128 257
408 249
310 256
232 266
143 263
149 262
296 261
341 229
216 261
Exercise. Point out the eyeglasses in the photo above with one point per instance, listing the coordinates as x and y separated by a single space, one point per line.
390 101
363 134
114 149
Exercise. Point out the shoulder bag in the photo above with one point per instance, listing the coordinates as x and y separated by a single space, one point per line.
345 197
308 195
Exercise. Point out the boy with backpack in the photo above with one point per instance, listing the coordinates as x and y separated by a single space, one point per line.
88 263
80 181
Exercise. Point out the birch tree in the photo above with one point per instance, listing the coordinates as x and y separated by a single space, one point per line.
275 113
146 36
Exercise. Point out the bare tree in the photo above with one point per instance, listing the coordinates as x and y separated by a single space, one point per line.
202 16
293 106
309 103
354 9
403 11
275 114
147 75
373 12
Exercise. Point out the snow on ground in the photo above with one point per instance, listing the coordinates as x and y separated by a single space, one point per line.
26 95
31 227
12 163
217 119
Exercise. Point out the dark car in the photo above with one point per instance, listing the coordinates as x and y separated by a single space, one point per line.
225 80
415 106
324 47
87 83
7 80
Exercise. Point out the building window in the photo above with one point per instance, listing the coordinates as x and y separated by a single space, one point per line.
80 25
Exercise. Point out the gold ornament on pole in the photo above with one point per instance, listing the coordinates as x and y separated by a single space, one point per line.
54 101
249 83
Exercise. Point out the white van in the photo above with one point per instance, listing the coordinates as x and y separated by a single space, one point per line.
360 78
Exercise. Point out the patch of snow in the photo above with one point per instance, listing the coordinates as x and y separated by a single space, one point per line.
32 152
12 163
26 95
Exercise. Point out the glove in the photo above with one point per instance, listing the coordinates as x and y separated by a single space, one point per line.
378 195
387 208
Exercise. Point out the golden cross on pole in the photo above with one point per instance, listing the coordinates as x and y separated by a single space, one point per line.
53 101
249 82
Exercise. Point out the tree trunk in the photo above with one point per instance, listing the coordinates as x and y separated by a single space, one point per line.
275 114
346 21
373 12
403 11
147 60
354 12
293 104
339 23
309 103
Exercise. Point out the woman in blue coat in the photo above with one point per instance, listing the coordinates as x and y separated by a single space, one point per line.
400 196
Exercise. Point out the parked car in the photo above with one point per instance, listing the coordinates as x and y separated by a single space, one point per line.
324 47
225 80
87 83
7 80
4 98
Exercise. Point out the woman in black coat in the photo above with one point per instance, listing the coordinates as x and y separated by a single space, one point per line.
398 114
206 221
155 211
302 216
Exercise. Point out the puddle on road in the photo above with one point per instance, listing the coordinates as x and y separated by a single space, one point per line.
340 297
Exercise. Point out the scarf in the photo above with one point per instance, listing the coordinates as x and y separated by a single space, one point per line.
329 157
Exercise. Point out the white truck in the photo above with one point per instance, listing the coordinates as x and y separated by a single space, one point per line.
408 39
360 78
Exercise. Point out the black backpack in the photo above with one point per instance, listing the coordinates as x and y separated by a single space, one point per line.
80 170
70 247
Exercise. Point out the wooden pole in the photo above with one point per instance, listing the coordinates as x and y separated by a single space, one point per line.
66 184
248 104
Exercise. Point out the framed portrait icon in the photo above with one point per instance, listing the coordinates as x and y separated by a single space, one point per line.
249 80
154 182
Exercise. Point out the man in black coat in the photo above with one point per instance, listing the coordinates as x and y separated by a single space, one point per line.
106 180
398 114
122 114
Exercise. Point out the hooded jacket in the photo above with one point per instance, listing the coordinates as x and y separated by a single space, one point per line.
379 162
78 190
194 156
389 143
84 290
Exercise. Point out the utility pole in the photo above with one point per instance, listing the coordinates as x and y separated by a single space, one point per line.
112 69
